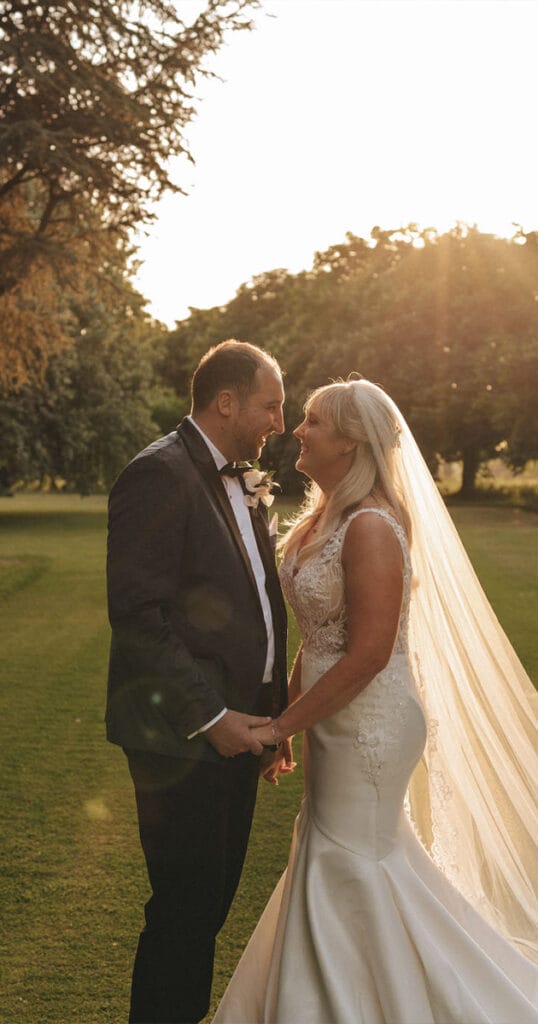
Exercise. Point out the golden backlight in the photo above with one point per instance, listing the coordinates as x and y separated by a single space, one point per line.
336 115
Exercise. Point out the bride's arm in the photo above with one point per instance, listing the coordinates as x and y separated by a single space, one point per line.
283 763
294 684
373 571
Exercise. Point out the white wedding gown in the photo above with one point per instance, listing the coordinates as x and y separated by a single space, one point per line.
363 928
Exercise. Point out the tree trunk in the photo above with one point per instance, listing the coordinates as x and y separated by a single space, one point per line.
471 463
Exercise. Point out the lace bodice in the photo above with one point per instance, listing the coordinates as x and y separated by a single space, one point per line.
315 591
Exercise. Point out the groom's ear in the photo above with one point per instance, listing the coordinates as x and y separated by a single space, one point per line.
226 401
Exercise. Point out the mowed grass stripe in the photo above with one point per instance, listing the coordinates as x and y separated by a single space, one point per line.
73 882
59 780
503 546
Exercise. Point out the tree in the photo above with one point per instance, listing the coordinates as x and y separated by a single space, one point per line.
93 409
476 326
34 314
447 324
95 101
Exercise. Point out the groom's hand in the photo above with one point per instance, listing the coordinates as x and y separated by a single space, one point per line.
232 734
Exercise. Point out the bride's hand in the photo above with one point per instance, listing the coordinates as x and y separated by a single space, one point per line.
279 762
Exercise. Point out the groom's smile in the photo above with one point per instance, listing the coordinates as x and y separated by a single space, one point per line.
258 415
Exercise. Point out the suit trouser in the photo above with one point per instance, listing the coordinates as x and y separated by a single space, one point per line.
194 820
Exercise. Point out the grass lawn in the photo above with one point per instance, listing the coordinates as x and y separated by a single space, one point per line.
72 880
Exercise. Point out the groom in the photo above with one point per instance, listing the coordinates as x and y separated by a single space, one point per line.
198 656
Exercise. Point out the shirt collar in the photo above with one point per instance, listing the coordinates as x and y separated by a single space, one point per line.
219 459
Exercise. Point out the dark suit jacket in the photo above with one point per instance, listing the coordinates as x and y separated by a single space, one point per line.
188 634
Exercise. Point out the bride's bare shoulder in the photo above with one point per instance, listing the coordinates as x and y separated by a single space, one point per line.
369 534
356 521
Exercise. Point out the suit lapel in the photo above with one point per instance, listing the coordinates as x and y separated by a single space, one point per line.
201 456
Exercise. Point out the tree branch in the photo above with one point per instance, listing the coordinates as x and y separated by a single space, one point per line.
14 181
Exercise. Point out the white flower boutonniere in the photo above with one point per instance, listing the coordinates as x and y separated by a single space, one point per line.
259 486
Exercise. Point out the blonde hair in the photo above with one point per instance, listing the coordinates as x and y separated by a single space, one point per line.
361 412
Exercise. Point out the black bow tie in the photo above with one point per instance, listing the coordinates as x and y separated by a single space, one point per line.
231 469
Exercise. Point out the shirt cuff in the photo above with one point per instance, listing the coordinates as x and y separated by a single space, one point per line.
208 725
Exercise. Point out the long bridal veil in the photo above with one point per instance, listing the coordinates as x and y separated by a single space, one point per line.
471 797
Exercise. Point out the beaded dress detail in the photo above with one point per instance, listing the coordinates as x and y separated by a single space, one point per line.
363 928
316 592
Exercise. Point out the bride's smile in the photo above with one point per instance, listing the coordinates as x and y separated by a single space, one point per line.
325 456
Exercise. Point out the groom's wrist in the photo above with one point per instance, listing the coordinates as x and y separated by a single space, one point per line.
207 725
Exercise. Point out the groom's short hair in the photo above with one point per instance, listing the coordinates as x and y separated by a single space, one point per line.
232 364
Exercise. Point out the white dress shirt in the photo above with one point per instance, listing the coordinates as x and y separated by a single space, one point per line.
244 522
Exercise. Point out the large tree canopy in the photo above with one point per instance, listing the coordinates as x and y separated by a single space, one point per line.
95 99
447 323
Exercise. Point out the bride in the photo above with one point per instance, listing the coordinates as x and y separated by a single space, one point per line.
407 897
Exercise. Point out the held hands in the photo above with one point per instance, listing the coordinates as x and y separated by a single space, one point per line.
280 762
234 733
269 733
274 763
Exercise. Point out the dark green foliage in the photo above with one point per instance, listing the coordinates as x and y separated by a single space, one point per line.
167 409
447 324
91 412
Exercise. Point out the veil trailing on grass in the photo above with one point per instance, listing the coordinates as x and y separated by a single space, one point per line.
471 797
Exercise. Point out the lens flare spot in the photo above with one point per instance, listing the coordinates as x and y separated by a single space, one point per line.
97 810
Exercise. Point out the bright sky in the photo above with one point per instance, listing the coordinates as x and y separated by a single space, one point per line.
336 115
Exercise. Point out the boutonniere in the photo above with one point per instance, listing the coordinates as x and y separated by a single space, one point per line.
259 486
